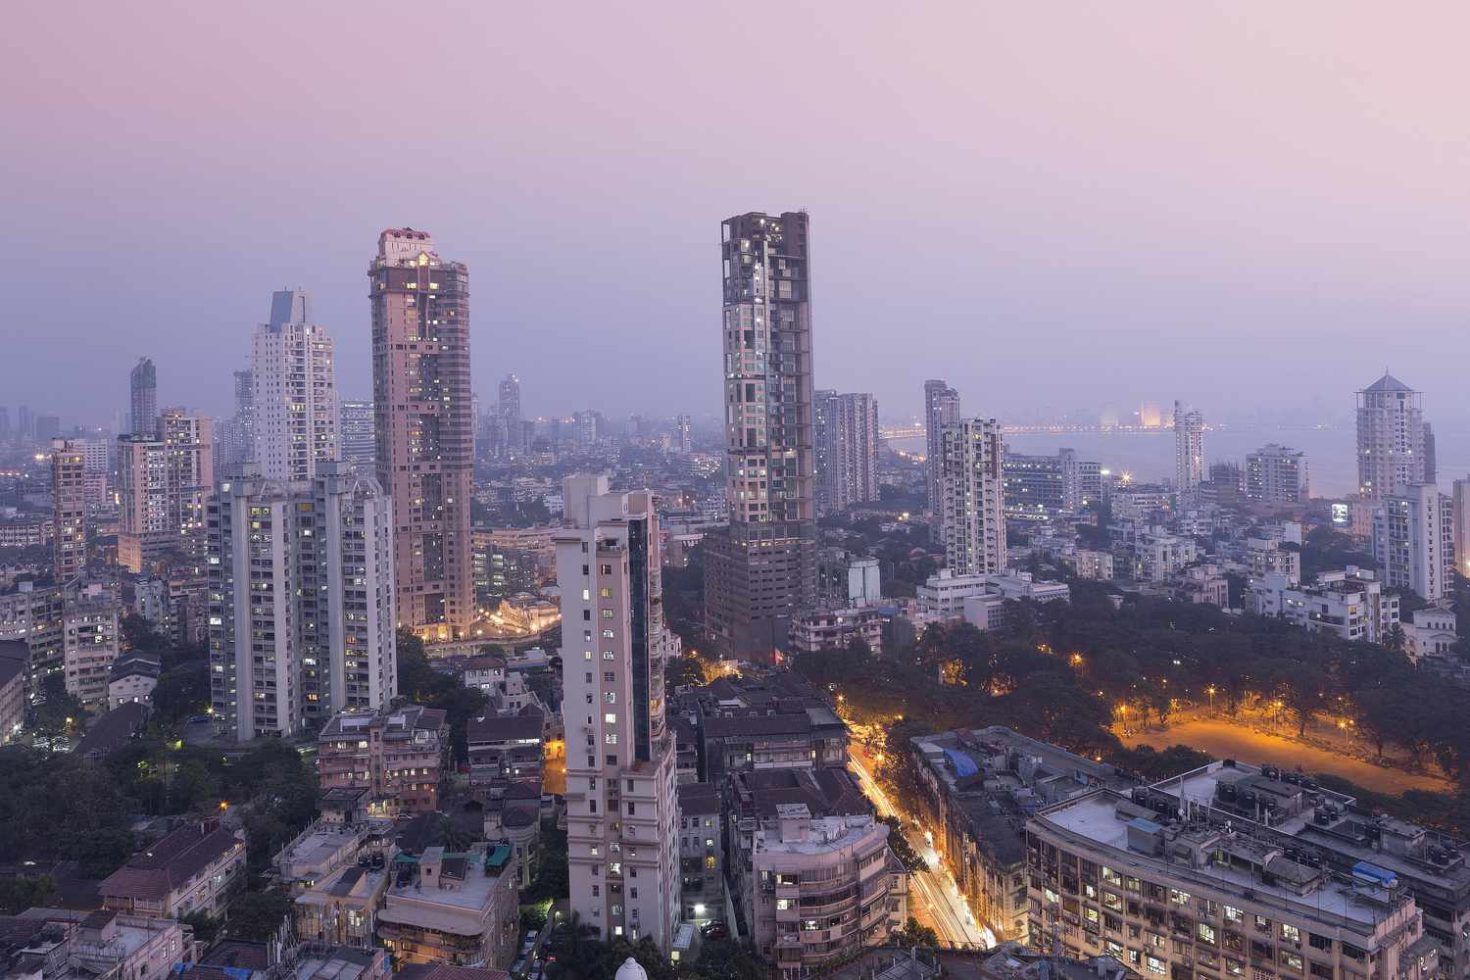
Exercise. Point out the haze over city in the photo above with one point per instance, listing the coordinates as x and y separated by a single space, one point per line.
1201 198
771 491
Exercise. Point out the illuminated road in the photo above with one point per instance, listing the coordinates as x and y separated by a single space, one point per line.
935 889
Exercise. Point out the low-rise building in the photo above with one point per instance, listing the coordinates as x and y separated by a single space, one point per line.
811 868
832 629
65 944
132 680
397 753
1204 584
1430 632
505 747
193 869
1092 566
701 843
1351 603
90 638
342 906
323 847
454 909
1173 886
978 787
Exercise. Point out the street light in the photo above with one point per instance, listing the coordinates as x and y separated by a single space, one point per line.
1211 692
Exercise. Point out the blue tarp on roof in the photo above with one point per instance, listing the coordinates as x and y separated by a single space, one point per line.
963 764
1373 872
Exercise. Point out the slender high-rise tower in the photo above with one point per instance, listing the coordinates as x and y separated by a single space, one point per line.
294 391
69 499
510 415
1393 439
622 839
1189 450
972 497
424 426
941 408
846 449
763 570
143 383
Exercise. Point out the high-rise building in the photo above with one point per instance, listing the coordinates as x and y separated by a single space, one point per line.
69 503
301 617
1414 540
237 436
424 426
1189 450
1038 488
359 447
1277 475
762 571
510 415
683 437
163 483
972 497
621 804
846 449
25 424
1460 525
1393 450
941 408
294 391
143 383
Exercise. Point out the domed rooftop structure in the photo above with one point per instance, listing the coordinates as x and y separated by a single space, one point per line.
630 970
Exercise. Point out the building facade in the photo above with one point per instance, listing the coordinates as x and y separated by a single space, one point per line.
294 391
302 600
143 389
69 510
972 497
163 483
762 570
846 449
355 434
396 754
1276 475
424 426
1414 540
1189 450
941 409
621 805
1393 439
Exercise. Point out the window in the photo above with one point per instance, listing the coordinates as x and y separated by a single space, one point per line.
1291 933
1318 942
609 718
605 592
1111 877
632 809
1178 897
611 738
607 614
608 697
606 569
1206 933
1233 914
1112 901
1263 923
1155 965
1291 961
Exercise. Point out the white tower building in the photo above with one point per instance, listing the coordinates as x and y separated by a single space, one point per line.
972 497
622 810
294 398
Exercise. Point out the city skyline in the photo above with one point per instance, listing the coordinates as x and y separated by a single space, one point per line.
1035 212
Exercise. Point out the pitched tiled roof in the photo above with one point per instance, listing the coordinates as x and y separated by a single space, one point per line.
167 865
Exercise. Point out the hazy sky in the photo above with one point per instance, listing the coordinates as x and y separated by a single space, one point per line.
1055 206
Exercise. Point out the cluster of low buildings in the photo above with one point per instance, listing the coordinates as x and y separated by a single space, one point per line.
1230 870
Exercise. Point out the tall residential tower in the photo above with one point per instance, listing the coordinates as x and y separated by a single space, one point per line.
762 571
1393 439
972 497
941 408
294 391
143 387
1189 450
424 426
622 839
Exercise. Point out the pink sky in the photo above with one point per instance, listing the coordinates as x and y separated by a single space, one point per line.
1055 206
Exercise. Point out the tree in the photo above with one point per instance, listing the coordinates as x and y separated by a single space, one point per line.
901 847
913 934
257 916
21 892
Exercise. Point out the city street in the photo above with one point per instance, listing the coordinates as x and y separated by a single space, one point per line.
933 898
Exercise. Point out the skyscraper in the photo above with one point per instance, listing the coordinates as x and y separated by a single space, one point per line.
1392 438
301 609
510 415
683 435
143 383
237 437
294 391
69 501
972 497
359 447
846 449
941 408
622 846
763 570
424 426
1189 450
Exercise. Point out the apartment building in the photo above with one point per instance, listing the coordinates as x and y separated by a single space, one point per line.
701 853
813 872
978 787
830 629
1414 540
398 754
90 638
1351 603
455 909
193 869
